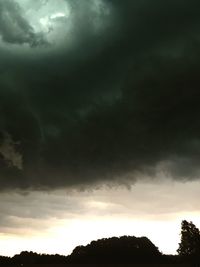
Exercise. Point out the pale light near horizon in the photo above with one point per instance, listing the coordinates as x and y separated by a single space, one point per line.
67 219
65 235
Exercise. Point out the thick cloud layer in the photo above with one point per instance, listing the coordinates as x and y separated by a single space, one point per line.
116 99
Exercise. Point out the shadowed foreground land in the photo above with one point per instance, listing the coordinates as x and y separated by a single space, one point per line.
105 265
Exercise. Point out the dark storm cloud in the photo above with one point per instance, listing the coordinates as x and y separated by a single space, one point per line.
14 28
124 98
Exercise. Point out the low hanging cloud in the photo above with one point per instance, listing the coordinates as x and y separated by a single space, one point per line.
22 213
119 102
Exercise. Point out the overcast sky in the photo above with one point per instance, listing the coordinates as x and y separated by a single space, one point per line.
99 120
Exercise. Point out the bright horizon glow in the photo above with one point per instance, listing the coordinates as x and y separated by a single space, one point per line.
67 219
66 235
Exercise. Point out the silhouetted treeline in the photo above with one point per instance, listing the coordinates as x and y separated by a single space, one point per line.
25 258
125 249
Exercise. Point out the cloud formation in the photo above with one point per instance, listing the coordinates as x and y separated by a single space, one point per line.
14 28
7 150
117 100
29 214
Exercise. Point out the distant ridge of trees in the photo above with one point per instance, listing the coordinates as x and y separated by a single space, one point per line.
117 250
125 249
29 257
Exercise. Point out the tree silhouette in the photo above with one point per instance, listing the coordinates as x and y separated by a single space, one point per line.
125 249
190 240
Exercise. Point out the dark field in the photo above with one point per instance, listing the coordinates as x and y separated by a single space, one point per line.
104 265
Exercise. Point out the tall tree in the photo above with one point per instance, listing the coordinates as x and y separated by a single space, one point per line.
190 240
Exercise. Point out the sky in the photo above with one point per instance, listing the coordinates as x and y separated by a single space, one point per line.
99 122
